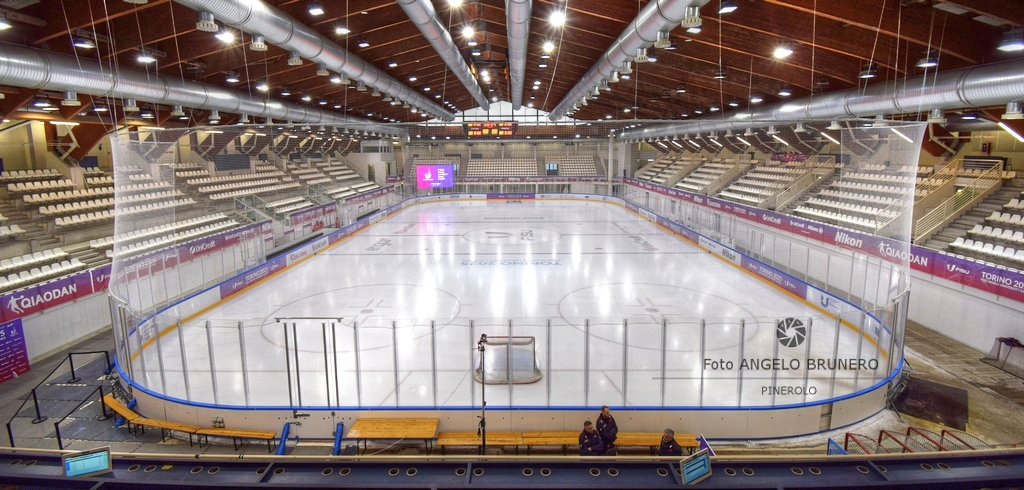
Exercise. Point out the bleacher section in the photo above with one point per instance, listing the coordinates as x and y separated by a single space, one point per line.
704 175
760 183
502 167
577 166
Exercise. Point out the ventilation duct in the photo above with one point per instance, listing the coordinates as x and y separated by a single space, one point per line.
656 16
22 66
424 16
259 18
977 86
517 19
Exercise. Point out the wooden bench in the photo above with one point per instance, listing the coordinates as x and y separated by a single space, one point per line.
445 439
564 438
138 423
235 434
365 429
652 440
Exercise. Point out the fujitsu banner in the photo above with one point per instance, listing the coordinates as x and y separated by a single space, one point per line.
40 297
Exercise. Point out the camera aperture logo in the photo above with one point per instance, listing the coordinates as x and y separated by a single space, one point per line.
790 332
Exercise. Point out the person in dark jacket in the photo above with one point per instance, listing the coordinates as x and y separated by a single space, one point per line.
606 428
669 446
590 441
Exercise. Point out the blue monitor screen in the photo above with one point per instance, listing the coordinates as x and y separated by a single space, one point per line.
87 463
695 468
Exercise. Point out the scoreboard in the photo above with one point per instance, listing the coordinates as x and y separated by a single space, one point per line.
490 129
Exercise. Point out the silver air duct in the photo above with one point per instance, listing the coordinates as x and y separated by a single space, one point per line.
656 16
978 86
258 18
22 66
422 13
517 20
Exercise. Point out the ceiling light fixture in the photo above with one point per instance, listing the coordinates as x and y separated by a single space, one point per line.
937 116
363 43
145 57
548 46
727 7
734 103
130 105
177 111
262 86
720 74
84 43
316 10
1013 40
782 51
869 71
969 115
930 59
756 98
4 24
232 77
342 30
785 90
557 18
225 35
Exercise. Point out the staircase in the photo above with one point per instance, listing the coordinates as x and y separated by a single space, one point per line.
976 215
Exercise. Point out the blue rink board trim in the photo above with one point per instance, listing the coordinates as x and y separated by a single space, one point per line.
248 277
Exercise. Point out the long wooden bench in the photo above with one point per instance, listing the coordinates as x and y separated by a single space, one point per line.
236 435
137 423
397 428
564 438
497 438
652 440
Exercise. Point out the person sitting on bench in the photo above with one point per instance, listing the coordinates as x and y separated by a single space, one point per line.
590 441
669 446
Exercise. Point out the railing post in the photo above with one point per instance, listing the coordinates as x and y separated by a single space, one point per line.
213 363
394 353
586 362
103 407
73 379
60 440
10 434
39 418
245 370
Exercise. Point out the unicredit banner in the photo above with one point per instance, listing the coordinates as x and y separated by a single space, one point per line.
995 280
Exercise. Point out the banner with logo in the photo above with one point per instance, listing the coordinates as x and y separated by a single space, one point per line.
13 352
511 195
315 218
47 295
528 180
996 280
251 276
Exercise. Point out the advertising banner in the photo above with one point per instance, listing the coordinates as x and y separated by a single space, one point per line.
42 296
13 353
251 276
996 280
314 219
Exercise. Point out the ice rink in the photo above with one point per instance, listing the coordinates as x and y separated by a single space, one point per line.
623 313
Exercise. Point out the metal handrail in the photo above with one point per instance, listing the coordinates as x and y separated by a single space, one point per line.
937 217
947 174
